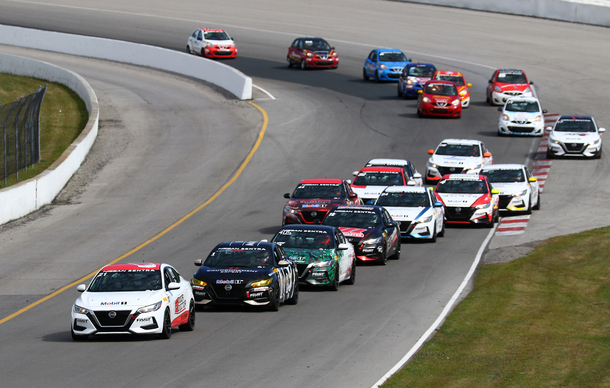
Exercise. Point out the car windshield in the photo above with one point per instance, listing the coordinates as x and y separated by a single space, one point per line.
522 106
216 35
352 218
226 257
459 186
422 71
441 89
392 57
574 125
303 238
403 200
511 78
497 176
316 44
126 280
458 150
323 191
459 80
375 178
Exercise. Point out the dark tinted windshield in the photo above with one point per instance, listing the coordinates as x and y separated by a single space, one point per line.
239 257
441 89
403 200
358 219
422 71
216 35
392 57
315 44
303 238
575 125
458 149
462 187
511 78
132 280
374 178
496 176
322 191
522 106
459 81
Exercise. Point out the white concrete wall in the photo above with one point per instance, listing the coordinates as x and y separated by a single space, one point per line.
572 11
25 197
214 72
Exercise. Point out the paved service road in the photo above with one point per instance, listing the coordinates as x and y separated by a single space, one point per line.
167 144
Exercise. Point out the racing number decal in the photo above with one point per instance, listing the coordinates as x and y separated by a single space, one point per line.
180 304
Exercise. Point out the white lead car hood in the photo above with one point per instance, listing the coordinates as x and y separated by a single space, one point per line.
459 200
575 137
507 188
119 300
456 161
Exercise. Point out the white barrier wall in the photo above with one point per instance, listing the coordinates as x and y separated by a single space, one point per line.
27 196
207 70
566 10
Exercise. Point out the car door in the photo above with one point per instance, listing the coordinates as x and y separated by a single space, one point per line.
285 275
439 211
371 63
178 302
198 41
346 257
296 50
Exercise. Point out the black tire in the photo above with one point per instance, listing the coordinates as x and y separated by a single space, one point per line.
529 207
396 255
434 234
377 76
383 258
190 324
303 65
334 286
419 114
399 91
295 296
77 337
488 100
364 75
188 49
442 232
490 225
290 64
599 154
549 154
167 326
352 276
274 304
537 207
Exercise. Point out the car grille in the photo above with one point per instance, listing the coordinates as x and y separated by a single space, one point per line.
504 201
453 214
393 76
301 268
442 111
450 170
521 129
513 93
354 240
575 147
323 63
309 217
236 293
223 53
404 225
119 320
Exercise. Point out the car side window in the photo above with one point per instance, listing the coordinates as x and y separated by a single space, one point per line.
199 35
372 56
295 44
167 277
339 237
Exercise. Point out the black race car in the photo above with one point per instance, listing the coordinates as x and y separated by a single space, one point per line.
375 235
248 273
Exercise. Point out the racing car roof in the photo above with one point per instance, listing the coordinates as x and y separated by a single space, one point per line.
357 207
460 141
326 228
420 65
449 72
464 177
132 266
212 29
246 244
387 162
321 181
381 169
569 117
508 166
406 189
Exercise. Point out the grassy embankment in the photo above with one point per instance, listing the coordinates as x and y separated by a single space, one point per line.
540 321
62 118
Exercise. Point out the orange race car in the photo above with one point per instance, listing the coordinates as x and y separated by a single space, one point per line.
458 78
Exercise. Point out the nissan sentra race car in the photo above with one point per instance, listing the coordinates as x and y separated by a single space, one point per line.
519 190
468 199
371 181
575 136
246 273
323 256
455 156
420 214
141 298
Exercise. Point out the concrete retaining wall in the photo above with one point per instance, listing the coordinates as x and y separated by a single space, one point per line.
578 12
27 196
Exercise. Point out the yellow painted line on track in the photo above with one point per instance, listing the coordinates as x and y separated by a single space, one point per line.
241 168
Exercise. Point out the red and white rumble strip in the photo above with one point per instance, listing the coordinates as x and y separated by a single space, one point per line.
540 169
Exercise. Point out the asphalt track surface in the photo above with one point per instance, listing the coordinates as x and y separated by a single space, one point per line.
167 144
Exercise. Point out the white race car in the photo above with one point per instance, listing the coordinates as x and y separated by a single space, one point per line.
419 213
575 136
412 174
457 156
519 190
521 116
142 298
211 43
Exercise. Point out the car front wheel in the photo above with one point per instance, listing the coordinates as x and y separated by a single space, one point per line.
364 75
190 324
167 326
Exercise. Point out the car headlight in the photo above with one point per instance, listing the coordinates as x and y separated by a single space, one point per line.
431 164
595 142
484 206
197 282
310 54
335 54
382 66
262 283
538 118
423 220
426 100
520 194
150 308
463 93
323 264
209 44
498 89
527 90
371 241
505 117
478 166
456 102
410 82
79 310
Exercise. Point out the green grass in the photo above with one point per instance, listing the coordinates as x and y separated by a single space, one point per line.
540 321
62 118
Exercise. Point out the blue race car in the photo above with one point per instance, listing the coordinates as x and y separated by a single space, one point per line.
384 65
413 78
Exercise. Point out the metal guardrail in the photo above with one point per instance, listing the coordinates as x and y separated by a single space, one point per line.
20 130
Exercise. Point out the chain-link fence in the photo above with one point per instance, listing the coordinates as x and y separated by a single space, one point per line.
20 131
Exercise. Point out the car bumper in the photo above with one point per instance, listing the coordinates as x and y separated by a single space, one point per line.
254 297
411 90
457 215
501 98
215 53
577 150
134 323
409 230
515 204
322 63
465 102
508 128
435 110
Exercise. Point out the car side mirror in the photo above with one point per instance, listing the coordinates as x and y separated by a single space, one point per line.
487 154
287 195
417 175
531 82
490 81
411 183
420 91
533 179
548 129
283 263
81 287
600 130
343 246
173 286
355 173
469 85
430 152
438 204
198 262
544 111
495 191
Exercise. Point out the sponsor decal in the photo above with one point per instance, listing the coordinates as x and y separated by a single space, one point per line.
252 295
80 320
353 232
229 281
180 304
143 319
112 303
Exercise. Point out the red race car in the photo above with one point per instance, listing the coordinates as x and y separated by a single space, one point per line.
313 198
439 98
312 52
458 78
507 83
